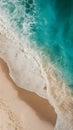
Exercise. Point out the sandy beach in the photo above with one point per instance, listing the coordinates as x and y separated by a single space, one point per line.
20 109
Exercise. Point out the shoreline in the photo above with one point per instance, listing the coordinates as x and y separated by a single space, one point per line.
38 78
41 107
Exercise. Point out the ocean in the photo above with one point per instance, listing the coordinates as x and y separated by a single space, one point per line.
48 24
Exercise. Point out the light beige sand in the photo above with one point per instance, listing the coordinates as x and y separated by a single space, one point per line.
20 109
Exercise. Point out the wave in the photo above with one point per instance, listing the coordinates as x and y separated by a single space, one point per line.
49 26
20 14
35 38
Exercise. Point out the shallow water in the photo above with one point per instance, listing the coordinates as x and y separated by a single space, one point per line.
50 25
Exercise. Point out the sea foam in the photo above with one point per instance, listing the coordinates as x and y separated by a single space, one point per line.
22 47
48 25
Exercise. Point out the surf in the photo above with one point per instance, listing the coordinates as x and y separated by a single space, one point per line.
48 25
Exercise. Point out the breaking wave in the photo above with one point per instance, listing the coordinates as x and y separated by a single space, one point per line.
47 23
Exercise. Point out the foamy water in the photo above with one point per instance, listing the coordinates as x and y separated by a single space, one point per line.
45 24
36 62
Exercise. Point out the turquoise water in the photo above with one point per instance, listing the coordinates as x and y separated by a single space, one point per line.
50 24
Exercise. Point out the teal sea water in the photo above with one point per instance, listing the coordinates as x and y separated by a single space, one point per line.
50 24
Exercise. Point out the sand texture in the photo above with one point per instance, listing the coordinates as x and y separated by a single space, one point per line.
20 108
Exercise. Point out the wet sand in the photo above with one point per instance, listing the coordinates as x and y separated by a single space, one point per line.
31 111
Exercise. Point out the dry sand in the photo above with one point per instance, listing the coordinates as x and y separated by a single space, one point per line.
20 109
